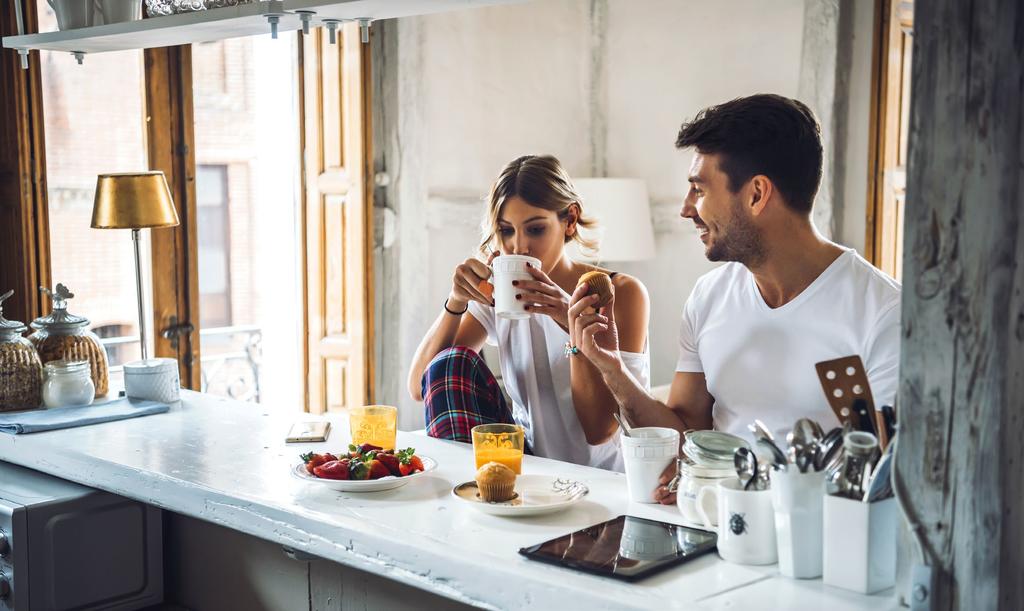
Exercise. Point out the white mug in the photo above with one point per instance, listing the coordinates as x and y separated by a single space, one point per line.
646 453
508 268
746 522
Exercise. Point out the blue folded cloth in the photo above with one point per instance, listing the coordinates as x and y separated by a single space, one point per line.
35 421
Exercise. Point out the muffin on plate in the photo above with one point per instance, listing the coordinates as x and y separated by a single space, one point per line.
496 482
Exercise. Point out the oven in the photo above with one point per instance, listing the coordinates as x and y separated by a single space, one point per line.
66 546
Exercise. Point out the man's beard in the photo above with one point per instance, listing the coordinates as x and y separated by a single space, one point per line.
738 241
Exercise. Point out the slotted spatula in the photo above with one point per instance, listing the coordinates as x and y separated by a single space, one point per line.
844 381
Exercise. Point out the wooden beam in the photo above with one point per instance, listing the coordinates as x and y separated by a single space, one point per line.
171 143
24 230
961 451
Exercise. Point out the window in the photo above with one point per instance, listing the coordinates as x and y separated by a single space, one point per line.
245 99
93 124
214 246
891 122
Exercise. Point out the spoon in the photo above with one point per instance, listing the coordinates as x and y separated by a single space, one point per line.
803 439
746 466
626 429
828 448
779 462
763 436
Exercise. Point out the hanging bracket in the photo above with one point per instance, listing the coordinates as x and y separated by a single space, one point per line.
364 29
273 19
306 17
332 29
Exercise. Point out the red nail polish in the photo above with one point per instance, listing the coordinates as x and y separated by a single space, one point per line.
515 283
519 296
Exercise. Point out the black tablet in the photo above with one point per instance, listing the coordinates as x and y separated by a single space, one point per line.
625 547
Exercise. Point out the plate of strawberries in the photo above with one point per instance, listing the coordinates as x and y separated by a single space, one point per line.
365 468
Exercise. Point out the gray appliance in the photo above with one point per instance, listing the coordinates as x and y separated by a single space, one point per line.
66 546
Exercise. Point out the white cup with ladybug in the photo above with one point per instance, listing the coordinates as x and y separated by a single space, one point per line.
746 522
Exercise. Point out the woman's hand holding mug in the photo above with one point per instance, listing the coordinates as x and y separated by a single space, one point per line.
467 283
543 296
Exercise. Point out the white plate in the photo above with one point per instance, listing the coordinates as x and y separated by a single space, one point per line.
364 485
535 495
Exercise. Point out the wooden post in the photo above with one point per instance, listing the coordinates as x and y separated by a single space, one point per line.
961 447
24 236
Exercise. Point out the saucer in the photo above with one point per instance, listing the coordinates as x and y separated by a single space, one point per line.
535 495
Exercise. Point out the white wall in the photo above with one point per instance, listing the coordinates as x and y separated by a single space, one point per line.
492 84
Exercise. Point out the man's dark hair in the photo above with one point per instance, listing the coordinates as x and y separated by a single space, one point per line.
762 134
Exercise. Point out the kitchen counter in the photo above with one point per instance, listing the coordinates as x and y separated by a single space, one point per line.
226 462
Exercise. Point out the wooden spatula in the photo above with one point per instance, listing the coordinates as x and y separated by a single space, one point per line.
844 381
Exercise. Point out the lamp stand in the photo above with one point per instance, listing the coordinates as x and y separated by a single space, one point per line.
136 237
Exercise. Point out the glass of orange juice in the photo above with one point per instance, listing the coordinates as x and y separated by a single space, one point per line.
501 443
374 424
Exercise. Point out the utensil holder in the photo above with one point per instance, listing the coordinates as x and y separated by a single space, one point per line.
798 502
860 544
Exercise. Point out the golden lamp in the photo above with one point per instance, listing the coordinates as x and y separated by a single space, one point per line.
135 201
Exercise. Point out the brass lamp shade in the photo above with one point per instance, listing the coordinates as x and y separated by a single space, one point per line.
133 201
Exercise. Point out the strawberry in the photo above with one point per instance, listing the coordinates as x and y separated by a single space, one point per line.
329 457
366 447
390 461
409 462
312 460
335 469
377 469
357 469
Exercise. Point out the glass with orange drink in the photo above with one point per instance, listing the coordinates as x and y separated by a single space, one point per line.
501 443
374 424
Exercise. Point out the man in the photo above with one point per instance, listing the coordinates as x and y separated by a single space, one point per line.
785 299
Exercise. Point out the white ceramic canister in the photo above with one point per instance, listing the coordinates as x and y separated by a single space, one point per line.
692 478
67 383
152 379
646 453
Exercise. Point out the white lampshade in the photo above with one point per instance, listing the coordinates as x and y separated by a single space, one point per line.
623 214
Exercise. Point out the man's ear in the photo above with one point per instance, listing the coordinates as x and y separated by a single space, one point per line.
761 190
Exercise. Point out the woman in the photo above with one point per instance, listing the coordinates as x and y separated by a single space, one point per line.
558 397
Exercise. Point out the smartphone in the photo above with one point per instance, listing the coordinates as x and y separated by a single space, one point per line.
625 547
305 432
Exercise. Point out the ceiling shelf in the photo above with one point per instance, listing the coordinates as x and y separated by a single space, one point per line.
228 22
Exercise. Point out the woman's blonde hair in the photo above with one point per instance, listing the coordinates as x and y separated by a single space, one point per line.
540 181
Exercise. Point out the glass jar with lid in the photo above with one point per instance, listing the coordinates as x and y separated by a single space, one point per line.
707 459
21 373
62 336
67 383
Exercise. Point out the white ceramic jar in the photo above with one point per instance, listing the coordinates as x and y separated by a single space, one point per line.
67 383
692 479
152 379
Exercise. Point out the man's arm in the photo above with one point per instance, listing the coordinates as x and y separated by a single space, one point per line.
689 403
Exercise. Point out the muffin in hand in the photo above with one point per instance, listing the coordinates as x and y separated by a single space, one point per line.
496 482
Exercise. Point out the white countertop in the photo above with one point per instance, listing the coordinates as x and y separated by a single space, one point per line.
226 462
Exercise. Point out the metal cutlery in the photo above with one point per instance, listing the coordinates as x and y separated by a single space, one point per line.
746 466
626 429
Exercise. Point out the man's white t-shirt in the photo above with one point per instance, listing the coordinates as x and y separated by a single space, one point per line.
758 362
537 378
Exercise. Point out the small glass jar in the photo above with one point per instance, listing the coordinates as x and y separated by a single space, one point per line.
692 478
62 336
21 373
67 383
707 459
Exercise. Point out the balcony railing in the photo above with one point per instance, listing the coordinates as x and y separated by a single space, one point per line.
230 365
